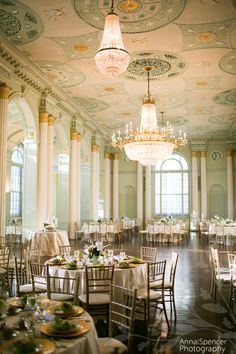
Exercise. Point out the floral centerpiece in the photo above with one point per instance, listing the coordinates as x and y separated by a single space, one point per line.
94 250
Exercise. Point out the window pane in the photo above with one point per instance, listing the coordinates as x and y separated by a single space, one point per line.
17 156
171 164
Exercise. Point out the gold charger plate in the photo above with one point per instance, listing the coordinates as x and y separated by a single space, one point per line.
15 301
130 265
141 261
77 310
69 268
84 327
47 346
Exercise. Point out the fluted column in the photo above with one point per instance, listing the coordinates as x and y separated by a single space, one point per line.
140 194
116 186
50 166
4 94
195 201
42 169
230 183
203 185
107 185
148 196
95 181
73 183
78 220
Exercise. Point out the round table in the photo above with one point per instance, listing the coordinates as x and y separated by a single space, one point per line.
49 242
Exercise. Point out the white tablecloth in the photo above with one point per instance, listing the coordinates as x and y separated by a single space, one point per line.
48 242
85 344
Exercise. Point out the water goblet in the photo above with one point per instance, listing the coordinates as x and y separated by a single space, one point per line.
122 256
110 253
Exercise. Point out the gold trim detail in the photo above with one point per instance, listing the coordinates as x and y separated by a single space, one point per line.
50 120
203 153
95 148
106 155
73 135
43 117
4 92
194 153
116 156
78 137
229 152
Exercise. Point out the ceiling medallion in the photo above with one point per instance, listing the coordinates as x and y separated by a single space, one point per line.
129 5
205 37
135 16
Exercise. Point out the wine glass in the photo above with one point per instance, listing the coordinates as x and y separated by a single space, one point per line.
122 256
110 253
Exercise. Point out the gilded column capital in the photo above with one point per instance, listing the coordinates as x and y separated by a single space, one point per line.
229 152
78 137
43 117
203 153
194 153
95 148
51 120
4 91
106 155
73 135
116 156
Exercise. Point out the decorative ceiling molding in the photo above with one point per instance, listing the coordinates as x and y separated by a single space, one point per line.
202 83
226 97
228 62
19 23
135 15
92 105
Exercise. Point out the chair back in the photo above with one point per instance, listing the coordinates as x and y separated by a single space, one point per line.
175 258
149 254
66 250
98 280
122 310
38 272
116 248
4 257
64 288
156 274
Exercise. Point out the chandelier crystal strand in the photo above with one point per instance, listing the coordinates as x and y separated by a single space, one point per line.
149 143
112 58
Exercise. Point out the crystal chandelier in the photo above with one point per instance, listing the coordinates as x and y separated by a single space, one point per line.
149 143
112 58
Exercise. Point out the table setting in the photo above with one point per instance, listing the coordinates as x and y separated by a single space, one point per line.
44 326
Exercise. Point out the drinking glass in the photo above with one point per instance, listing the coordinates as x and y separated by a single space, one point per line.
122 255
110 253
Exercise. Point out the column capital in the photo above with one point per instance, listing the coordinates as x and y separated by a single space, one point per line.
43 117
73 135
78 137
4 91
203 153
229 152
194 153
116 156
106 155
51 120
95 148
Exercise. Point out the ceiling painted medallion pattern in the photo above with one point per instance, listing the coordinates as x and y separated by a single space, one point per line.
63 75
228 62
92 105
135 16
226 97
202 83
164 65
223 119
19 23
207 35
78 47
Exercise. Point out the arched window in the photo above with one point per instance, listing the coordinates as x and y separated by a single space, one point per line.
16 182
172 186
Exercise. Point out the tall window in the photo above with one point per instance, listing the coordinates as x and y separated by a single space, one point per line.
16 182
172 186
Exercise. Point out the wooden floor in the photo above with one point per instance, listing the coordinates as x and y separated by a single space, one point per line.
201 323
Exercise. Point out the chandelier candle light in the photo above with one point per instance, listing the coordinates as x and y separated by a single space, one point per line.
112 58
149 143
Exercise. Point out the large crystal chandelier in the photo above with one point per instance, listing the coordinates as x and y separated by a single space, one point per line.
149 143
112 58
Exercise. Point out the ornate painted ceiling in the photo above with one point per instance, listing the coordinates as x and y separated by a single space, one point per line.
190 45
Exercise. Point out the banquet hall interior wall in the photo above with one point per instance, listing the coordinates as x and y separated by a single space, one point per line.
23 128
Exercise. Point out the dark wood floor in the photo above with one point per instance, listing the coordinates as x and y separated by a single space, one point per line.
202 325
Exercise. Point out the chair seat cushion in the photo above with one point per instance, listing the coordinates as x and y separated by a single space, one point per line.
108 345
157 285
28 288
96 299
61 297
142 294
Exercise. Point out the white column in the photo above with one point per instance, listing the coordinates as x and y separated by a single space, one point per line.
42 169
203 186
73 183
230 183
195 201
78 220
116 186
95 182
50 166
107 185
148 196
140 194
4 94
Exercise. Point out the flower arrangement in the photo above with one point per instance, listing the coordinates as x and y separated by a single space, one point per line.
94 250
